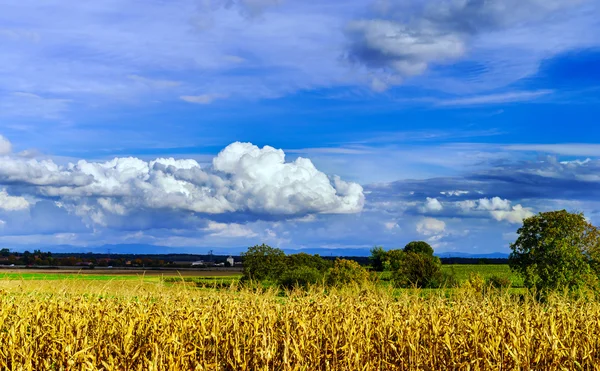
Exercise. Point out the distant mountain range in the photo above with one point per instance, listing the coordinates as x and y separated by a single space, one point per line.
153 249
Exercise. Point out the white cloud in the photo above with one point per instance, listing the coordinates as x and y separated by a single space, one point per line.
5 146
382 43
454 193
12 203
231 230
391 225
244 178
499 209
521 96
203 98
567 149
432 205
515 215
505 38
431 227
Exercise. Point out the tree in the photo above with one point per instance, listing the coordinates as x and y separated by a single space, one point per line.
263 262
420 247
418 269
556 250
394 259
378 258
346 272
302 259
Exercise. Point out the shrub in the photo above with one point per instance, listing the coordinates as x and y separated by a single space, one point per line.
306 260
419 270
345 272
302 276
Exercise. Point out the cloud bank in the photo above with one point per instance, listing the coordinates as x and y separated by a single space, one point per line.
243 178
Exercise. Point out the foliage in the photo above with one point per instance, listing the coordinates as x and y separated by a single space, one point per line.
556 250
346 272
378 258
420 247
419 270
263 262
498 282
394 260
296 261
301 276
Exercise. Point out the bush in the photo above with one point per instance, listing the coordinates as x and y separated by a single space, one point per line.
345 272
418 270
302 276
306 260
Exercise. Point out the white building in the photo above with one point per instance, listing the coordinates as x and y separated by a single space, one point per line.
230 261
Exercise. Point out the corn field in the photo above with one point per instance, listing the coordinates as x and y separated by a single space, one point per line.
70 326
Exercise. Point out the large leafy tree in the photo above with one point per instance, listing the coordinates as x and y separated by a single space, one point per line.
556 250
263 262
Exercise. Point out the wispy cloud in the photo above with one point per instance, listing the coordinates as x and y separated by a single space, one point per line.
566 149
512 97
202 99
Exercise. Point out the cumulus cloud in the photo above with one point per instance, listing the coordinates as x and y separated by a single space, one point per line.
12 203
432 204
499 209
243 179
431 227
515 215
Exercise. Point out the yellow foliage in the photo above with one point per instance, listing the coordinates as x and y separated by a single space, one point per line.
77 326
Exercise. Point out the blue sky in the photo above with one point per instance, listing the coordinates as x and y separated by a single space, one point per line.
198 125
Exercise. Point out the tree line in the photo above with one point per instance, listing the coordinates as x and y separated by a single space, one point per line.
555 250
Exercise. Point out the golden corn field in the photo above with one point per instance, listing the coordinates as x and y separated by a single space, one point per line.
141 326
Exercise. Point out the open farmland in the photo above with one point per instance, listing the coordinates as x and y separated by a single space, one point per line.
141 325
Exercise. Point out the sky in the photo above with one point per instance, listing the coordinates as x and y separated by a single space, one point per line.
197 125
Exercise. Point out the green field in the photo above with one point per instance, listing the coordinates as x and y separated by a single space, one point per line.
463 271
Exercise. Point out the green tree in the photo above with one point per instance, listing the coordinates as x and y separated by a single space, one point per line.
420 247
418 269
263 262
378 258
302 259
394 259
556 250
